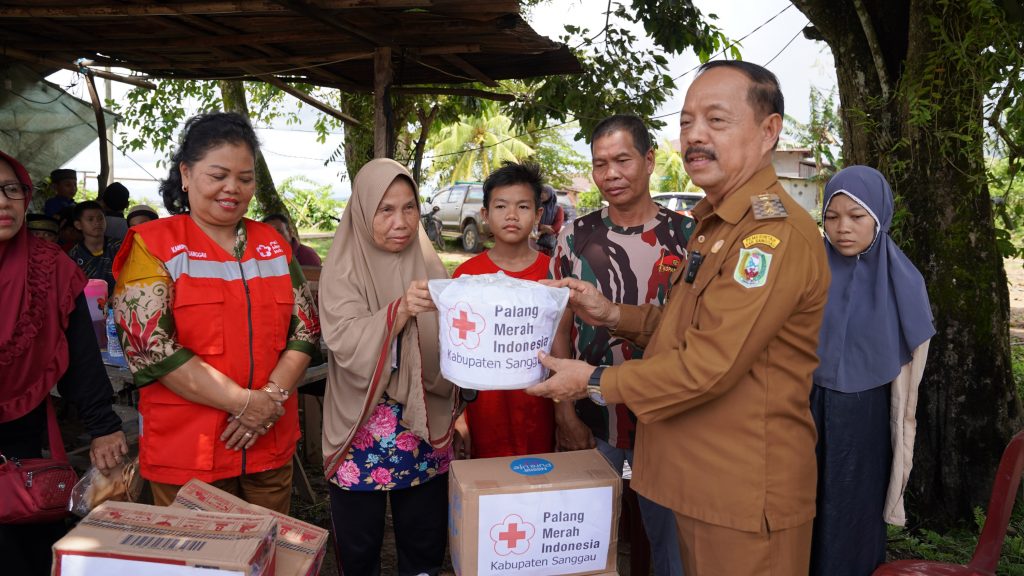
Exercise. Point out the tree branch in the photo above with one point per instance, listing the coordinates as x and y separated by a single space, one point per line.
874 46
1016 149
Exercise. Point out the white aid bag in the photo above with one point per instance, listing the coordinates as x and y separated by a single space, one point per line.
492 327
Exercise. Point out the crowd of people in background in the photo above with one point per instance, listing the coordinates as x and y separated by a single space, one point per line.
752 371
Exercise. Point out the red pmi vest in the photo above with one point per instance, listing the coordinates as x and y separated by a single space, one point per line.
235 315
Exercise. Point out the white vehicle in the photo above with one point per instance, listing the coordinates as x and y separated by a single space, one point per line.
681 202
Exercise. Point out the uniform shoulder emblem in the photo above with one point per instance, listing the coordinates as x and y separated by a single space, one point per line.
752 268
767 206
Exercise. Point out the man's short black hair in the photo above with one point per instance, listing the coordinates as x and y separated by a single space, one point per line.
626 123
276 216
82 207
115 197
765 95
511 174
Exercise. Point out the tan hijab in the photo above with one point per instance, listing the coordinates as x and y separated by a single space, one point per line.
360 288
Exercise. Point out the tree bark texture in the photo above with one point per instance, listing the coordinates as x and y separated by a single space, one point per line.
968 406
267 199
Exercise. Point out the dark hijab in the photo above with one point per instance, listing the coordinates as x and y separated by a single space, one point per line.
550 207
877 312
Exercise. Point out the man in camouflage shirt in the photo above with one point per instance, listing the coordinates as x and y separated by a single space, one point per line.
628 250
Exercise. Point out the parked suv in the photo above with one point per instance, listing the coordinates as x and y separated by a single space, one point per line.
681 202
459 212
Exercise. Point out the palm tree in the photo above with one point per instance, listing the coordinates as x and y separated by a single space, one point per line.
471 148
669 174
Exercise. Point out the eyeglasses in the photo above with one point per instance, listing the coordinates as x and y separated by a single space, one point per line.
15 191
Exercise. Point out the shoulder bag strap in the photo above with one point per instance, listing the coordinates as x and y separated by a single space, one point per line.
53 432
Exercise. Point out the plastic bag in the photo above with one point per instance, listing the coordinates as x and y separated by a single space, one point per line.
491 328
123 484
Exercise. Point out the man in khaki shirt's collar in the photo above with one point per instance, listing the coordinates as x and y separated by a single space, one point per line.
725 436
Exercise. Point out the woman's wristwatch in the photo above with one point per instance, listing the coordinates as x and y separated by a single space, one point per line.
594 386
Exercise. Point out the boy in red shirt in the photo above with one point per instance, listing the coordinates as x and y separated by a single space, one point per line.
509 422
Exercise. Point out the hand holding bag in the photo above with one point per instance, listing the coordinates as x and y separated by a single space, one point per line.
36 490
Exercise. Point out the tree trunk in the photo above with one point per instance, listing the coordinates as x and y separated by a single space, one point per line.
426 121
968 406
268 201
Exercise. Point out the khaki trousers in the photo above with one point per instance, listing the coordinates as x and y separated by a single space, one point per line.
710 550
271 489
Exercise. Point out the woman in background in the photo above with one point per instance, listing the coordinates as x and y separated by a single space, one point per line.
873 346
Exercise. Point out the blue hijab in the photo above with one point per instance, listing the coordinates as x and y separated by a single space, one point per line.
878 311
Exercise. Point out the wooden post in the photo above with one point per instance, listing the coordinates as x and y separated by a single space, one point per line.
101 129
382 74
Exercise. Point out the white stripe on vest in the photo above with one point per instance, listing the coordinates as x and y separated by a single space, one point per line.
227 271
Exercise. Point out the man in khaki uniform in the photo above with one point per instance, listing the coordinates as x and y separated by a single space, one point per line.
726 438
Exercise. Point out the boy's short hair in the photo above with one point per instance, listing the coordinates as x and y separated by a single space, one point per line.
82 207
511 174
116 196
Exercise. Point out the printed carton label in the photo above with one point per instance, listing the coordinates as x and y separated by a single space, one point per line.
551 532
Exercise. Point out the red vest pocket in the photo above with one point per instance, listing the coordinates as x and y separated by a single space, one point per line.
199 319
179 434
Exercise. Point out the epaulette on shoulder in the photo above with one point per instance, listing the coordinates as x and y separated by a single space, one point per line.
767 206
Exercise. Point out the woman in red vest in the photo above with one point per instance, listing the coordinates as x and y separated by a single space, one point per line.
217 325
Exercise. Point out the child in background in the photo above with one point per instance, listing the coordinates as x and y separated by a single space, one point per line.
95 253
509 422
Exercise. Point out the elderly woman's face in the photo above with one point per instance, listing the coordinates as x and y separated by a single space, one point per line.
397 217
12 212
221 184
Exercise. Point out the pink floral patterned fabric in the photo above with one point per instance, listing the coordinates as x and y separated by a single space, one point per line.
386 456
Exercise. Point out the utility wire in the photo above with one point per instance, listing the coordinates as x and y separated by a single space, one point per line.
777 54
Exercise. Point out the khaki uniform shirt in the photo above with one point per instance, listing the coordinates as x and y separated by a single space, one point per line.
725 433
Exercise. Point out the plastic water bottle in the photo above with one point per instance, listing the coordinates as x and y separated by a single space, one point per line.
114 352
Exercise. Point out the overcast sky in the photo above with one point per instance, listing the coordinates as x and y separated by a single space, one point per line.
293 150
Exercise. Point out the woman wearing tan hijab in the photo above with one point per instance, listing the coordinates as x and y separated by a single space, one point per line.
388 413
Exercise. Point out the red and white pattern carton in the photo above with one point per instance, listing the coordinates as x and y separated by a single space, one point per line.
140 540
300 545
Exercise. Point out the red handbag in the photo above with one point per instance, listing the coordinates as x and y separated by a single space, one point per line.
37 490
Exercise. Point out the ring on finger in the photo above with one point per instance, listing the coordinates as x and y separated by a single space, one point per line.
248 434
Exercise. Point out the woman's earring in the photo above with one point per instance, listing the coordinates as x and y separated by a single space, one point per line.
184 189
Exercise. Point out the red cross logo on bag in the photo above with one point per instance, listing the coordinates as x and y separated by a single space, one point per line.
464 326
512 535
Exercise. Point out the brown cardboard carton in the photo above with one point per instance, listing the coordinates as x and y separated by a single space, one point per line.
300 545
139 540
542 514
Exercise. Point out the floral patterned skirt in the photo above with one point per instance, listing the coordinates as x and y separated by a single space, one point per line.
385 455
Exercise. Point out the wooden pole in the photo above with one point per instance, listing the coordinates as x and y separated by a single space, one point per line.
382 76
101 129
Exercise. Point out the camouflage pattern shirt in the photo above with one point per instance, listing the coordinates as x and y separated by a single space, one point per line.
630 266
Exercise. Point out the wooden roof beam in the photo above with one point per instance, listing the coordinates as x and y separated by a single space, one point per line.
300 95
214 30
317 14
28 57
278 60
108 10
485 94
468 68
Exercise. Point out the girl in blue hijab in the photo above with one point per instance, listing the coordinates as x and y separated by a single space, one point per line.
873 346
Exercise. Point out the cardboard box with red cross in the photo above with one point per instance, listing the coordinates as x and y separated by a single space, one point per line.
543 514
